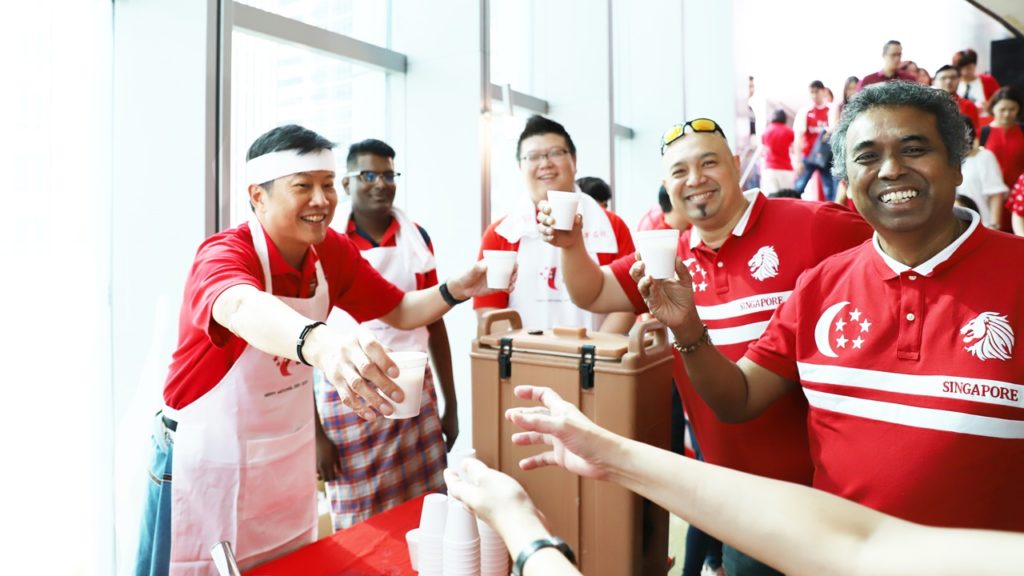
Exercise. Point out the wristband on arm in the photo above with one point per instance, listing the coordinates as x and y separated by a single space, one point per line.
447 296
540 544
302 341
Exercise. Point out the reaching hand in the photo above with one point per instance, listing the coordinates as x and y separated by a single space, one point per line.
493 496
577 444
357 365
559 238
669 300
328 461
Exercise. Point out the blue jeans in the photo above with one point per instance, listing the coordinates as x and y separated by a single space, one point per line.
828 183
154 556
739 564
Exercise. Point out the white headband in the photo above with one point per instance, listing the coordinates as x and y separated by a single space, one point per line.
274 165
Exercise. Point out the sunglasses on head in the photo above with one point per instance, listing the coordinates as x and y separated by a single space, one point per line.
677 131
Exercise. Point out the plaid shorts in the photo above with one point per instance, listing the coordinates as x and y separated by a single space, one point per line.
385 462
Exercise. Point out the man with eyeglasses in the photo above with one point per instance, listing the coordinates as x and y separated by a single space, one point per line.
370 467
744 253
547 161
234 446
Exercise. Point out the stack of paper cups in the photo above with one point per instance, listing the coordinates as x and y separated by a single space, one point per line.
461 542
430 548
493 553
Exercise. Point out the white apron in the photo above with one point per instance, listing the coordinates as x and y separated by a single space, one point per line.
244 455
399 265
540 296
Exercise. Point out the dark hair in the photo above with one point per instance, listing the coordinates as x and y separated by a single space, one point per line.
663 200
885 48
945 67
289 137
1006 93
595 188
967 202
817 85
370 147
965 58
539 125
938 103
786 193
970 128
779 115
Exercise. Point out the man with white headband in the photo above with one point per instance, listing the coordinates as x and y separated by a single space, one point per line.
238 423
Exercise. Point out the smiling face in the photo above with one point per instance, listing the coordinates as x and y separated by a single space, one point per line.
296 210
375 199
550 171
702 180
899 173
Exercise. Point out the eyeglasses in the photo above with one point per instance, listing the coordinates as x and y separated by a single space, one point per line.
677 131
553 154
371 177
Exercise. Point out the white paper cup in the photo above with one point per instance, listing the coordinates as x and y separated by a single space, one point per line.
412 539
563 208
460 525
412 368
500 264
433 516
457 456
658 250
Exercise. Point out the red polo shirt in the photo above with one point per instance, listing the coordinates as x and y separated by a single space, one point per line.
206 350
736 289
915 379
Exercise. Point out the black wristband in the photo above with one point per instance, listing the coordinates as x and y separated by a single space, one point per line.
447 296
302 341
539 544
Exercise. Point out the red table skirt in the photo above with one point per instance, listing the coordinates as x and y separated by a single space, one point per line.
375 547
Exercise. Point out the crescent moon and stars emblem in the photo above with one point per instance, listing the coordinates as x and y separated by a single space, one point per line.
830 322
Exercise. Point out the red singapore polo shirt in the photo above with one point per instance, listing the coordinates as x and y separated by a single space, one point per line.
736 289
494 241
915 379
206 350
363 241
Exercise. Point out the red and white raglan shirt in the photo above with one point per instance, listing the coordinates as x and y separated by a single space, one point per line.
914 378
206 350
736 289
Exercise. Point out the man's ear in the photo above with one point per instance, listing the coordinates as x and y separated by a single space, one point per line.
257 195
736 160
344 185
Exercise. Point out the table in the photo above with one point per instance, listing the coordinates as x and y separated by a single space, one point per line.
374 547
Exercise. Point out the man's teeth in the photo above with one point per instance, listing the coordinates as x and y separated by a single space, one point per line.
701 196
898 197
317 218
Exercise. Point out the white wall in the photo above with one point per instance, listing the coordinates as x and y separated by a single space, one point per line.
437 133
55 425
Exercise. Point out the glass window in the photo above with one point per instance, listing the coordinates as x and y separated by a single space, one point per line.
365 20
275 83
511 44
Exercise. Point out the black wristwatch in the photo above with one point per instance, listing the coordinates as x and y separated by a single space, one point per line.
539 544
447 296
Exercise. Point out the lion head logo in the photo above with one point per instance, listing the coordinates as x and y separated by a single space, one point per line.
764 264
991 335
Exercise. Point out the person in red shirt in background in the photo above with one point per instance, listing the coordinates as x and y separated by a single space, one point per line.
370 467
596 188
978 88
1004 137
238 424
547 161
810 122
911 372
662 216
948 78
778 166
1016 206
892 53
